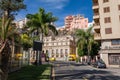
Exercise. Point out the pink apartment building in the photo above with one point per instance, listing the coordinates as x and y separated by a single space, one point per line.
75 22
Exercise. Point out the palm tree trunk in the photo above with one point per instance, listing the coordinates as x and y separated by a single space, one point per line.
5 61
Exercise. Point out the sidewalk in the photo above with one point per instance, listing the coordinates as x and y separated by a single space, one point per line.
114 71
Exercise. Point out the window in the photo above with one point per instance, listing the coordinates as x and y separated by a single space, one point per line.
115 42
53 55
107 20
118 7
66 52
57 54
113 59
61 53
106 9
108 30
104 1
52 51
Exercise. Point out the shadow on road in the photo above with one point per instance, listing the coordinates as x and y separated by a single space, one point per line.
86 74
77 71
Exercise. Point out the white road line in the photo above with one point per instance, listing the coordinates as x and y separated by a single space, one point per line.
53 74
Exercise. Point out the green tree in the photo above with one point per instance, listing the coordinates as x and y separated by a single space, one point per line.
85 40
95 49
41 23
7 31
7 7
26 41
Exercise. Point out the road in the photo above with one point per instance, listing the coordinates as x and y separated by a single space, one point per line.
77 71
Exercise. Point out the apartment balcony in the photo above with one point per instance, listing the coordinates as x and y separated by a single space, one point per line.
96 15
95 6
97 36
96 26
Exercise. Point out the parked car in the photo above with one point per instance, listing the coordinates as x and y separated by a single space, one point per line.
99 64
52 59
72 57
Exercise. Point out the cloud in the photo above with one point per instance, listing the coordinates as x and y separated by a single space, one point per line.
55 4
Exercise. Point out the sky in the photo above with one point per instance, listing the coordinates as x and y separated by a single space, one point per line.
59 8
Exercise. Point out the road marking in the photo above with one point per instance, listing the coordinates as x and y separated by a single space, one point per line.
53 74
85 78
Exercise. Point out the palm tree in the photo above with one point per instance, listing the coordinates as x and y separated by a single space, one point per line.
85 37
80 42
41 23
7 32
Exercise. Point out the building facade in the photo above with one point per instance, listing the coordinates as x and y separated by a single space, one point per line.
75 22
107 30
21 23
59 47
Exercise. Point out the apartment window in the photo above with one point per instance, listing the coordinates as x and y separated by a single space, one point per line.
107 20
104 1
115 42
118 7
108 30
106 9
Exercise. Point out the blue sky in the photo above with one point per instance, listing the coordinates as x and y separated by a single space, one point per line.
59 8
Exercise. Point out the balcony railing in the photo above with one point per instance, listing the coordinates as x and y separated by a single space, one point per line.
97 36
96 24
95 4
96 14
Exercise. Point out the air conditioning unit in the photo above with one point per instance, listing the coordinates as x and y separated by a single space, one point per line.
106 47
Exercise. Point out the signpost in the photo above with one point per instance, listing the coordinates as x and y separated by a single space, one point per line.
37 46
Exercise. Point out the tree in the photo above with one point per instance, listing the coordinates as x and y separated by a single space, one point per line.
85 40
95 49
7 30
41 23
9 6
80 42
26 41
6 35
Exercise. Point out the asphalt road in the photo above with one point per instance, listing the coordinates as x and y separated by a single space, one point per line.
77 71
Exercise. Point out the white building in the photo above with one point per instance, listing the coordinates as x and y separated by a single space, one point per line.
21 23
59 47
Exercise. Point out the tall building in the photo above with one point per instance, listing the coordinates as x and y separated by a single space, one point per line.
107 30
59 47
75 22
